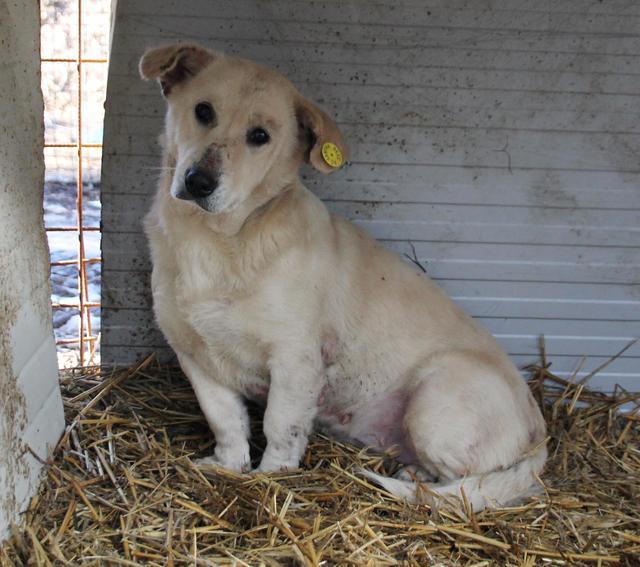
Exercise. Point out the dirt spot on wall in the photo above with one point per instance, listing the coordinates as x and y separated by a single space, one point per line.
550 192
12 417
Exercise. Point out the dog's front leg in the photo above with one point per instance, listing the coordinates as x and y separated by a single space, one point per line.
226 415
296 383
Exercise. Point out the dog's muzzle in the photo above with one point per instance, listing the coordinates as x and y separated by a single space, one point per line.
198 184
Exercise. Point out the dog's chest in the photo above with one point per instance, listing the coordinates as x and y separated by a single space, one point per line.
218 307
220 324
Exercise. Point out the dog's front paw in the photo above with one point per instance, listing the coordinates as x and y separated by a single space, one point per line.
210 461
268 465
235 463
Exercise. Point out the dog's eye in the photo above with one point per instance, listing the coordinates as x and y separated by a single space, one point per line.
257 137
205 113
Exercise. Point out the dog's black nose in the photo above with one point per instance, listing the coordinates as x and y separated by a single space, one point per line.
199 183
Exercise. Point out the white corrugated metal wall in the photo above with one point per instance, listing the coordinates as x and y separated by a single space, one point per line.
500 138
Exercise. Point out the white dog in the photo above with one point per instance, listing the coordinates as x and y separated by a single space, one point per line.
263 294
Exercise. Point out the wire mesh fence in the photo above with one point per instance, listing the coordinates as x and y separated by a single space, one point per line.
74 51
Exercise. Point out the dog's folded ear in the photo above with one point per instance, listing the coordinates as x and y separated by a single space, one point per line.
322 143
172 64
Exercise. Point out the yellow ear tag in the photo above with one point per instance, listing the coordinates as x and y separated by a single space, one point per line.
332 154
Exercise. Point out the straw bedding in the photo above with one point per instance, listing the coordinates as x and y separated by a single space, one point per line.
122 489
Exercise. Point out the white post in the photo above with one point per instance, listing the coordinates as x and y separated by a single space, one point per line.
31 418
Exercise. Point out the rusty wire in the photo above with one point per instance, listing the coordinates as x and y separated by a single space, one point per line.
86 340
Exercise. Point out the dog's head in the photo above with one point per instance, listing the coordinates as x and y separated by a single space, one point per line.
236 132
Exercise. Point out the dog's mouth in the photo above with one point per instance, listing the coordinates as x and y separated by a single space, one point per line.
207 203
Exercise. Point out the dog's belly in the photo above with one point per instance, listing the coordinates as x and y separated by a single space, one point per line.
377 424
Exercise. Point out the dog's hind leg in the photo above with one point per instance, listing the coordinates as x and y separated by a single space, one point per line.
226 415
471 422
414 473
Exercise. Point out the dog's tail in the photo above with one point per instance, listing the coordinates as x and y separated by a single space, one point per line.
492 489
